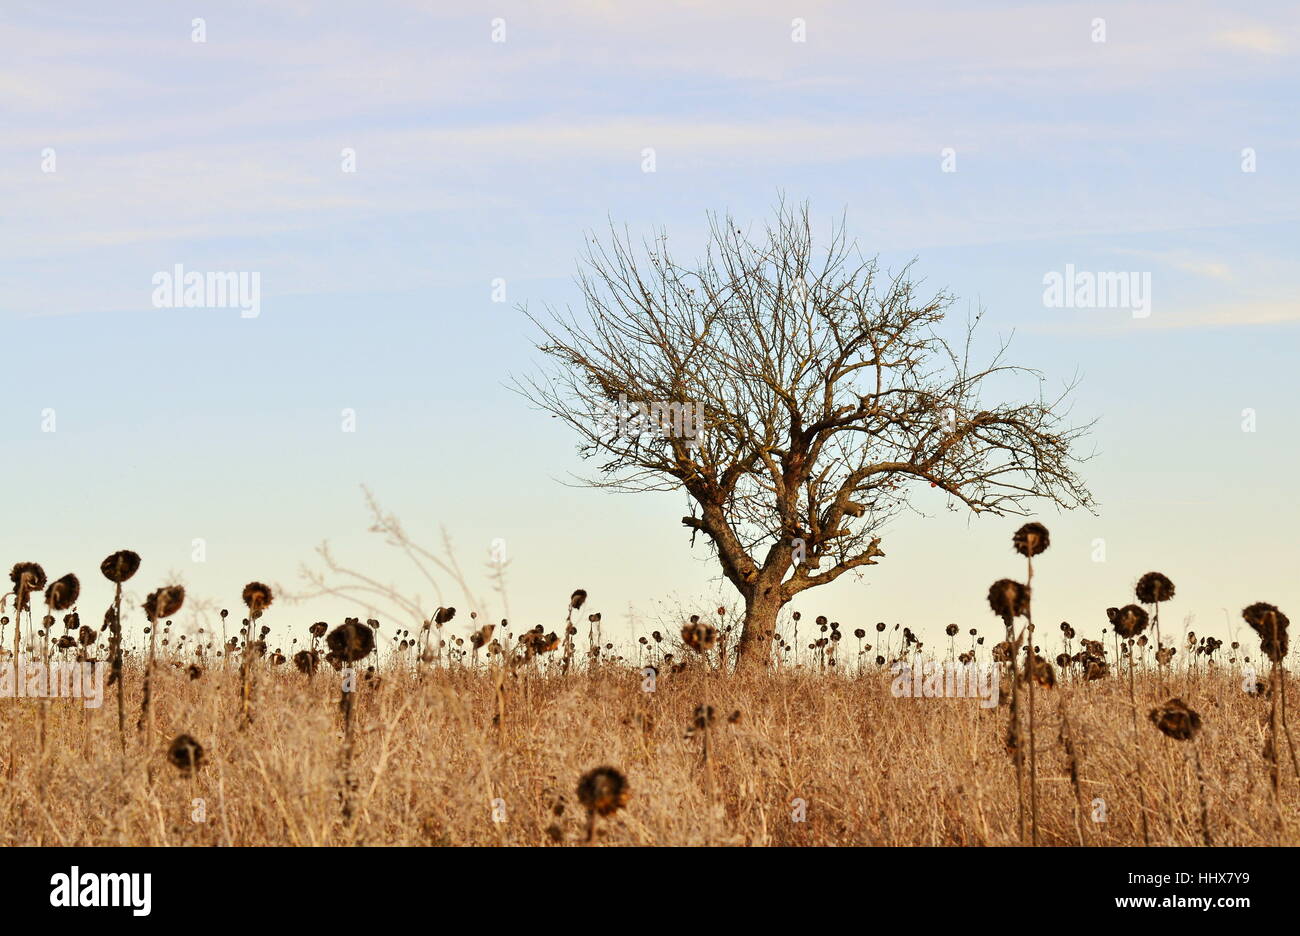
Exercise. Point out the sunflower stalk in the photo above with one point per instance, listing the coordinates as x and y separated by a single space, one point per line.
1137 755
1031 668
118 568
1072 762
1200 786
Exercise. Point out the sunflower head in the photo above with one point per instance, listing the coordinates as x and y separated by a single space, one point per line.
603 791
120 566
257 597
1271 625
164 603
699 636
351 641
27 577
186 754
62 593
1176 720
1043 672
1128 621
1031 539
1008 599
1153 588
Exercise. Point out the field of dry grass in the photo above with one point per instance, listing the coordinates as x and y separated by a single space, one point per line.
433 764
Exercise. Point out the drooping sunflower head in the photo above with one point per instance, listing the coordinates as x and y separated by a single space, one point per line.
164 603
257 597
1176 720
603 791
351 641
1009 599
62 593
27 577
120 566
186 754
1271 625
699 636
1031 539
1128 621
1153 588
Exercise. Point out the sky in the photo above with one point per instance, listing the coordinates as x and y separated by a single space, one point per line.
389 170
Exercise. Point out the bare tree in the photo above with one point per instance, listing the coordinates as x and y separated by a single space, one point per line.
796 395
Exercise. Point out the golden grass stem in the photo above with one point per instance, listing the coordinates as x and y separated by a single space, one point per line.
1137 755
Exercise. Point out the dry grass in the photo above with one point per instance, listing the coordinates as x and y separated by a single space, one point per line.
429 761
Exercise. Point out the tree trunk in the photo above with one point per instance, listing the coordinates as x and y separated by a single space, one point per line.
754 651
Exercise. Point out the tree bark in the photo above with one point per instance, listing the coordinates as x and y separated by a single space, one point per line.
754 650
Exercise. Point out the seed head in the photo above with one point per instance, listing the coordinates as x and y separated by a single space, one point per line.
1031 539
62 593
1128 621
120 566
164 603
1176 720
703 717
699 636
603 791
1153 588
1008 599
257 597
27 578
536 641
351 641
1271 626
186 754
1043 672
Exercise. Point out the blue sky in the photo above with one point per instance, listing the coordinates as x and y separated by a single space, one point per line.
478 160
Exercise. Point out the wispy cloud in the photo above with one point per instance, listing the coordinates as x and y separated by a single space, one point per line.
1261 40
1167 315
